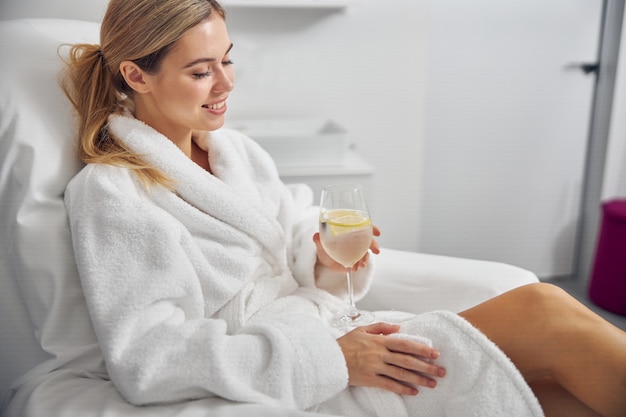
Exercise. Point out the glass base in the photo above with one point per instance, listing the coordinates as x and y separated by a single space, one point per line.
354 319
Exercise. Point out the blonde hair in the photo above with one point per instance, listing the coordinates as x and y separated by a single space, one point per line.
142 31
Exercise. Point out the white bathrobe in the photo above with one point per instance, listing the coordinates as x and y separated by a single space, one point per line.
210 291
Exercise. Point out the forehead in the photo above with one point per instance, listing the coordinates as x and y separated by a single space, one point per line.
208 39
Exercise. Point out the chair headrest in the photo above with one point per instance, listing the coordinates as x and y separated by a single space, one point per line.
40 286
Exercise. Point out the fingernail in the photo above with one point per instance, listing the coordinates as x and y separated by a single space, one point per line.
441 372
434 354
432 383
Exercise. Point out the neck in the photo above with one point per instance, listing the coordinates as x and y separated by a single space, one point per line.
180 136
200 156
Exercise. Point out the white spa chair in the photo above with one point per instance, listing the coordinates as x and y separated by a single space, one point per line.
45 332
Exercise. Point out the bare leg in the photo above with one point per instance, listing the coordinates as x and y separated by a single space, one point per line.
548 333
556 401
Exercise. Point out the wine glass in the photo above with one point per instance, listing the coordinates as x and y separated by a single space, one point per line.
346 235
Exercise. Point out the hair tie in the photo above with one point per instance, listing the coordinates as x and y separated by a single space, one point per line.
101 56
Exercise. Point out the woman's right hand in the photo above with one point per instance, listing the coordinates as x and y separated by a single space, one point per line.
394 364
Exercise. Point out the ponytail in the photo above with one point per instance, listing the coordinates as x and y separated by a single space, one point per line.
88 82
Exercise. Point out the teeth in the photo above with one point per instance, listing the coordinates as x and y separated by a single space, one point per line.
215 106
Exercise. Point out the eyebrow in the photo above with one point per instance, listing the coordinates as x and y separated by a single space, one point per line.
202 60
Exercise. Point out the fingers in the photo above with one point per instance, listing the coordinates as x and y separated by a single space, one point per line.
381 328
412 363
393 364
325 259
412 370
411 347
409 361
362 263
374 246
317 239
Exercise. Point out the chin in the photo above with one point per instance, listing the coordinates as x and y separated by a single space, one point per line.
217 126
213 125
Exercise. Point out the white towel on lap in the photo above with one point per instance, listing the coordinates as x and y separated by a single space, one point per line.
481 381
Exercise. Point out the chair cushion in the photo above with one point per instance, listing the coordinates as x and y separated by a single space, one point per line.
39 316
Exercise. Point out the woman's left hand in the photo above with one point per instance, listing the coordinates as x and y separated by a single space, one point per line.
324 259
376 360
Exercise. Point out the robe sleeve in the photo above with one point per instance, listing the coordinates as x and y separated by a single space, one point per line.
139 272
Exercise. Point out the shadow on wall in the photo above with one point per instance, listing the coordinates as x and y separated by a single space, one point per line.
563 248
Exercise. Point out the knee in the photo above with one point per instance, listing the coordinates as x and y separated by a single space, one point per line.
546 299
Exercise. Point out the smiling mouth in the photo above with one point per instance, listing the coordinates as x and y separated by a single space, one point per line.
215 106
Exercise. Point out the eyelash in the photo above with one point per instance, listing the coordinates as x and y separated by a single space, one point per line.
208 73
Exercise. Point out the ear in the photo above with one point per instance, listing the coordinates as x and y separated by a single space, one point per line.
134 76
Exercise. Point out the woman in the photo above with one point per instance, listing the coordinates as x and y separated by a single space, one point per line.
202 279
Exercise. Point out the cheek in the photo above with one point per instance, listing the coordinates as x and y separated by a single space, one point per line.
186 93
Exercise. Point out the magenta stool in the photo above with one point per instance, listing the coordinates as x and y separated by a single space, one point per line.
608 281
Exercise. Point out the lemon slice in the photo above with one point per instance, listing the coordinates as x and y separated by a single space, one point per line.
345 221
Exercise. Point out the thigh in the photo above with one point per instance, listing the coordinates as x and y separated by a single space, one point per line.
548 333
557 401
523 324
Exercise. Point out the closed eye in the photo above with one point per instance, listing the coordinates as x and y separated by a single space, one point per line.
202 75
199 75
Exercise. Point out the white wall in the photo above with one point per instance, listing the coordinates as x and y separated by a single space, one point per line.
506 129
62 9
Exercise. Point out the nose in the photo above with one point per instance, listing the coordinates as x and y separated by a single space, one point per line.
224 80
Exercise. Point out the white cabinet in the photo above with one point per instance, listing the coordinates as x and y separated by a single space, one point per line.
314 151
354 170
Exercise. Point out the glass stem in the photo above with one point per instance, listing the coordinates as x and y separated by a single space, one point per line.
353 313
